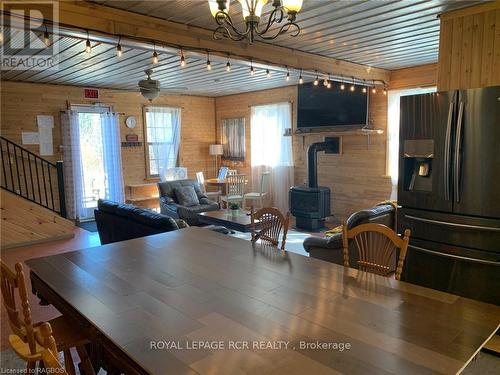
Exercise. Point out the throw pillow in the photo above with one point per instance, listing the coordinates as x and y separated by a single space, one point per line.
186 196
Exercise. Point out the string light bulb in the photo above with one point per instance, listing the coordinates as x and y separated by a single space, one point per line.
301 80
352 88
268 73
342 86
374 90
329 85
46 37
364 89
287 74
119 51
209 64
385 90
88 46
183 59
228 65
325 82
252 70
316 80
154 59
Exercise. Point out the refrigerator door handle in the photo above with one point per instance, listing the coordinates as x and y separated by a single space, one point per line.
458 151
458 257
447 151
457 225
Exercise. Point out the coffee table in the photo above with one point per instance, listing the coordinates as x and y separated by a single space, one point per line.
240 222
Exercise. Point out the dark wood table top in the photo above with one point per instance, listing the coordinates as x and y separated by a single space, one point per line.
194 286
240 222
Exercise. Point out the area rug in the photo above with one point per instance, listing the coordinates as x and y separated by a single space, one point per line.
90 226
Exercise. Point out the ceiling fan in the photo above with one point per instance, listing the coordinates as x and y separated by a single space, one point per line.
150 88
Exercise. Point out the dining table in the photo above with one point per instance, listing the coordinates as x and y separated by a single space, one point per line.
193 301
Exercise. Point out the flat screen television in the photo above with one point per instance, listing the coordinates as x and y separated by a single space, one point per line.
322 107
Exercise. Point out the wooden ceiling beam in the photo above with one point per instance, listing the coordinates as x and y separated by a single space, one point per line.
103 19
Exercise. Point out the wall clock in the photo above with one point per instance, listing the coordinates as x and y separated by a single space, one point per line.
131 122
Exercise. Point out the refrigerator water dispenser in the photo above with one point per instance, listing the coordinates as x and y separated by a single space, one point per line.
418 157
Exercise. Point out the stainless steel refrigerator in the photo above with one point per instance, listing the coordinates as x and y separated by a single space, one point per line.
449 190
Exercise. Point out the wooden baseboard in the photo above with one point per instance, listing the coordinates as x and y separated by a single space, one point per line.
36 242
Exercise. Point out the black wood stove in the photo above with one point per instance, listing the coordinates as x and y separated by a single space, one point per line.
311 204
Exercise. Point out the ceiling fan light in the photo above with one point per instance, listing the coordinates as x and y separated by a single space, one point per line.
292 5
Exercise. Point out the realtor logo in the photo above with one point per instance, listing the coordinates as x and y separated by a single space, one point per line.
28 38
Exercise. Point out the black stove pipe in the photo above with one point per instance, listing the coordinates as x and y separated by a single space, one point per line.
312 160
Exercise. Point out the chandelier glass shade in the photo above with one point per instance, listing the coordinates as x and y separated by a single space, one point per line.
283 15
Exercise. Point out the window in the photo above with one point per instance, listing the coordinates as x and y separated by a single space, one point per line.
393 131
233 138
162 134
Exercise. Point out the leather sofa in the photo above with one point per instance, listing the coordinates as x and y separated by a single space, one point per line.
331 248
120 222
169 203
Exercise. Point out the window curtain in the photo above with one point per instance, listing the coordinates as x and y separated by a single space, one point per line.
110 130
393 103
272 151
164 134
72 165
233 138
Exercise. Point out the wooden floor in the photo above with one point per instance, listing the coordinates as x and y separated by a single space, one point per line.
82 240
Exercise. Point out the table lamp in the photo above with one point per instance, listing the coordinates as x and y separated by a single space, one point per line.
216 150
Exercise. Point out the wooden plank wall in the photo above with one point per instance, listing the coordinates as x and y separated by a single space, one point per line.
416 76
21 102
25 223
469 48
356 177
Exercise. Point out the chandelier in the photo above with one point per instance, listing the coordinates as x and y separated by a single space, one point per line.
284 10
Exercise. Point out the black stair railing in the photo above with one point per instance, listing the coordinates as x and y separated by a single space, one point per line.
32 177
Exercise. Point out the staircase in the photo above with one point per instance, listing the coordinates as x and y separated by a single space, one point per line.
32 177
33 207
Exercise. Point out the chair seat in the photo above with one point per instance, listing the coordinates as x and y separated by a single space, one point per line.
253 195
232 197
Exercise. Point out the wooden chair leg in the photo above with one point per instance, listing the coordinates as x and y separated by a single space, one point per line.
68 362
85 364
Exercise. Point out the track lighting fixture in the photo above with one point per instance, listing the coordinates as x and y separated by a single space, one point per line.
228 65
183 59
301 80
209 64
88 46
119 51
155 55
316 80
46 37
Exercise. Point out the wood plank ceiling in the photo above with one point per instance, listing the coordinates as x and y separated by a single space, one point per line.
386 34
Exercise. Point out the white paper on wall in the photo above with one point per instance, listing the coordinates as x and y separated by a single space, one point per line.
30 138
45 125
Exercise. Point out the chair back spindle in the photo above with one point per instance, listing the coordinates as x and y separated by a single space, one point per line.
10 281
271 223
376 245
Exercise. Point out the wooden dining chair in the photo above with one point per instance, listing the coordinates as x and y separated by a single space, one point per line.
270 224
376 245
235 190
49 353
262 193
213 195
25 338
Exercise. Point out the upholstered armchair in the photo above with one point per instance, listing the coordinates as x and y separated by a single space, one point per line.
184 199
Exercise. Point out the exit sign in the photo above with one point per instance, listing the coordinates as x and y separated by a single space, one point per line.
91 93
